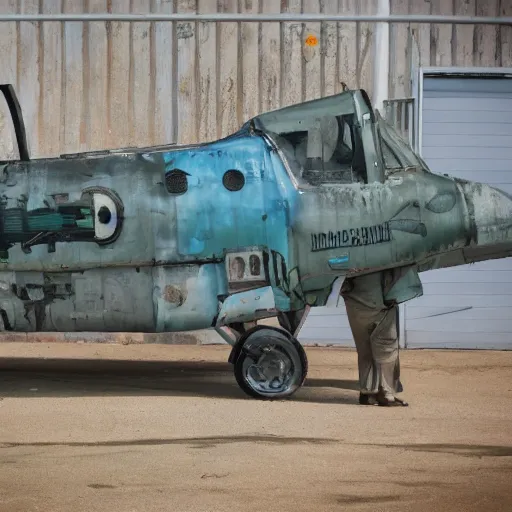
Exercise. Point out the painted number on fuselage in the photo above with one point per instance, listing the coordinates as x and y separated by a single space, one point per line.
354 237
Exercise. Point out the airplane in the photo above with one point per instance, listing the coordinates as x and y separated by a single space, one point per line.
259 224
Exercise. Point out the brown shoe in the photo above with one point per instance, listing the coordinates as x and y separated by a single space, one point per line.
367 399
383 401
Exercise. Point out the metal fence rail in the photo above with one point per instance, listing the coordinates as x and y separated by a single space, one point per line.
262 18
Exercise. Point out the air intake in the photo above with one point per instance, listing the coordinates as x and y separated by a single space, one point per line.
176 182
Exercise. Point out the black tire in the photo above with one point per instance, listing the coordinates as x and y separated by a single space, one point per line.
286 348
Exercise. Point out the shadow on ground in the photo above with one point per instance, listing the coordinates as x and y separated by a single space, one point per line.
27 377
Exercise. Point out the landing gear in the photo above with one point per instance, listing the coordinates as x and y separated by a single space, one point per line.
269 363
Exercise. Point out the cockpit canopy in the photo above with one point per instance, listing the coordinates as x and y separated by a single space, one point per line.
323 141
396 152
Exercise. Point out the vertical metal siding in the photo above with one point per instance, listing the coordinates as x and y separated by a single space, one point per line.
414 45
86 86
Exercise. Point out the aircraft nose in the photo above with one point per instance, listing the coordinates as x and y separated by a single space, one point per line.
490 212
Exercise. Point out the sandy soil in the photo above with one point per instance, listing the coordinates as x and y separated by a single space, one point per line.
165 428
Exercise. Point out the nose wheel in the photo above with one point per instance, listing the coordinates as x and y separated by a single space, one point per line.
269 363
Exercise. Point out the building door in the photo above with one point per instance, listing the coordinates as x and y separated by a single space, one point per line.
466 131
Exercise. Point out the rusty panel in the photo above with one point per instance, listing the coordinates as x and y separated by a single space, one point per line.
419 40
312 53
8 73
86 86
329 55
119 117
504 42
414 45
463 48
486 35
185 87
365 46
95 72
399 63
291 55
249 61
347 55
228 72
207 74
163 65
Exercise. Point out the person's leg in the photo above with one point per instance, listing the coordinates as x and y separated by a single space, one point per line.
385 350
361 295
375 331
358 320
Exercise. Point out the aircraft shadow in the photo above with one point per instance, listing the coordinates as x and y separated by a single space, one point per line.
34 377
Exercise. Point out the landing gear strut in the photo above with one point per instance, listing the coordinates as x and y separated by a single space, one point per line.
269 363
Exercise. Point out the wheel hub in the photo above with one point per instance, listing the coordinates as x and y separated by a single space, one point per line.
270 364
271 372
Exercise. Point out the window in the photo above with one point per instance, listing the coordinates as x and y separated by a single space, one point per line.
320 139
390 159
396 152
329 152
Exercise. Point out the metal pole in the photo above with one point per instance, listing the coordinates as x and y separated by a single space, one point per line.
257 18
381 58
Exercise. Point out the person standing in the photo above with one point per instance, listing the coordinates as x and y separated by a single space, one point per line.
374 325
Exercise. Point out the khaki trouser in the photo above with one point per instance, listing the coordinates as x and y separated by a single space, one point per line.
374 327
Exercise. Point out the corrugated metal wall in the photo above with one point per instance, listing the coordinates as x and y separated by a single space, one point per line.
86 86
447 45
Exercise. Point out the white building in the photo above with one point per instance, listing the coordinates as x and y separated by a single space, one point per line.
86 86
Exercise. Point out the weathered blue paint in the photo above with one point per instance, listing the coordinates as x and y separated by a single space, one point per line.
339 263
329 191
200 305
211 219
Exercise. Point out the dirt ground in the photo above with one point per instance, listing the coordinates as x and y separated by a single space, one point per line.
165 428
